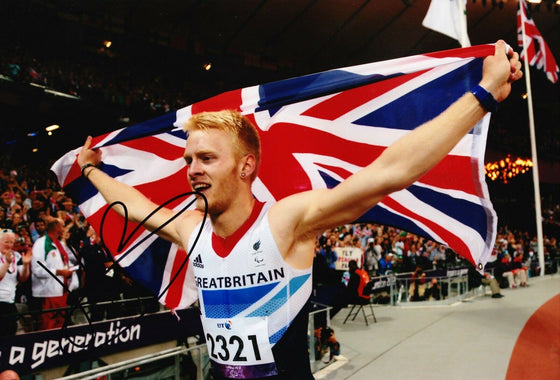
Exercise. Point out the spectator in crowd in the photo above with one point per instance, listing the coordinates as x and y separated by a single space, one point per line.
475 279
38 228
386 264
102 283
519 270
504 272
353 293
324 264
434 292
417 287
438 256
14 269
38 207
398 246
75 262
328 252
370 258
6 199
3 218
48 279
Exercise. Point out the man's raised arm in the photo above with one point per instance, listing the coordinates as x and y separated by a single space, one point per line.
406 160
138 206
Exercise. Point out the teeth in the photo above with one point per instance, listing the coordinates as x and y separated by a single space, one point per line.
201 187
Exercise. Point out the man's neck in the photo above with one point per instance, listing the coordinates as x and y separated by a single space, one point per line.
226 223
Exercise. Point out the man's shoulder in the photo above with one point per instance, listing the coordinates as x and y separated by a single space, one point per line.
39 241
187 222
191 217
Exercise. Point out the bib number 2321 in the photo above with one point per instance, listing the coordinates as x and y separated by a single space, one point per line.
238 342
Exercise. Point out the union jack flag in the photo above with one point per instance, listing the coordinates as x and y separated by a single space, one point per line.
536 48
316 130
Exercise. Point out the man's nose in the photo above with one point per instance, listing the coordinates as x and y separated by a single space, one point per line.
194 168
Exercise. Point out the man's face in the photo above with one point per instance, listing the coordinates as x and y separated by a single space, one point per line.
7 198
40 226
212 169
37 204
7 241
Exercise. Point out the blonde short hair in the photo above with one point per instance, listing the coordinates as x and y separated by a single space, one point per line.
233 123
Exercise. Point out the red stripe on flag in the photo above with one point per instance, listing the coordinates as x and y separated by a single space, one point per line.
342 103
219 102
343 173
452 240
74 173
175 291
156 146
164 189
478 51
453 173
283 140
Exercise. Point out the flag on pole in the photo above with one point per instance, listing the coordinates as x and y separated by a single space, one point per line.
537 50
449 17
315 130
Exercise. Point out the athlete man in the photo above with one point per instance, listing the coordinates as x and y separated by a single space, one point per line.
252 263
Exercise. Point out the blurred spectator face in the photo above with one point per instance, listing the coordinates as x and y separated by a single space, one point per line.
17 198
68 205
37 204
22 231
16 219
7 241
16 210
42 215
7 198
40 226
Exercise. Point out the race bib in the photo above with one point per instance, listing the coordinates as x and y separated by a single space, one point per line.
240 346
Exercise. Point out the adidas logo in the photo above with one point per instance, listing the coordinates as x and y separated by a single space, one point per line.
197 262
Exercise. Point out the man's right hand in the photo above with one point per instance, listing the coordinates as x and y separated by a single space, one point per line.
500 71
88 155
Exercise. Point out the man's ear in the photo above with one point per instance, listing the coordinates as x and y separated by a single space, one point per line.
248 165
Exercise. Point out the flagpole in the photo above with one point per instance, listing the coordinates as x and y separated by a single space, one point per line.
536 185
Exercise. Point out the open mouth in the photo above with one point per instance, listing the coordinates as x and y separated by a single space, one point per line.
201 187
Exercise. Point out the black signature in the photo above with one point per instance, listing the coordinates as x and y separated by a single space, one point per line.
80 304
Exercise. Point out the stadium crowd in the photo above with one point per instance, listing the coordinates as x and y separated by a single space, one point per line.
102 81
31 199
32 205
